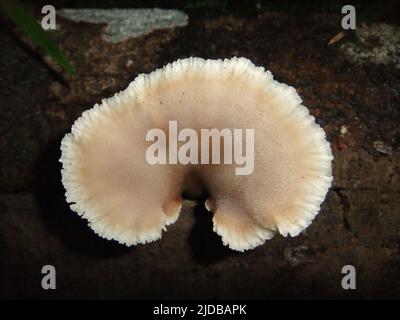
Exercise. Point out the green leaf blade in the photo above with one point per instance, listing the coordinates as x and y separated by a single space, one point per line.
27 23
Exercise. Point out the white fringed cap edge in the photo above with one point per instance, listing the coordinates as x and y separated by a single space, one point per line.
309 207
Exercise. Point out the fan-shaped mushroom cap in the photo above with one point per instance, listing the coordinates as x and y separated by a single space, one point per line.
110 183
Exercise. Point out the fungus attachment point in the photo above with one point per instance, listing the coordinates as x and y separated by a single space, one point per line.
109 181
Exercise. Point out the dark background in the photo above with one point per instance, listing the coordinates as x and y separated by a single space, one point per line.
359 223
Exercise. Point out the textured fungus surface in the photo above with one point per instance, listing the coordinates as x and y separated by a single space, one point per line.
110 183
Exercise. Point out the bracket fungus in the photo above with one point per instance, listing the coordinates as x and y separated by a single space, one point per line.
110 183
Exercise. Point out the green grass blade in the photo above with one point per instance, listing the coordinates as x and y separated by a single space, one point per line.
27 23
